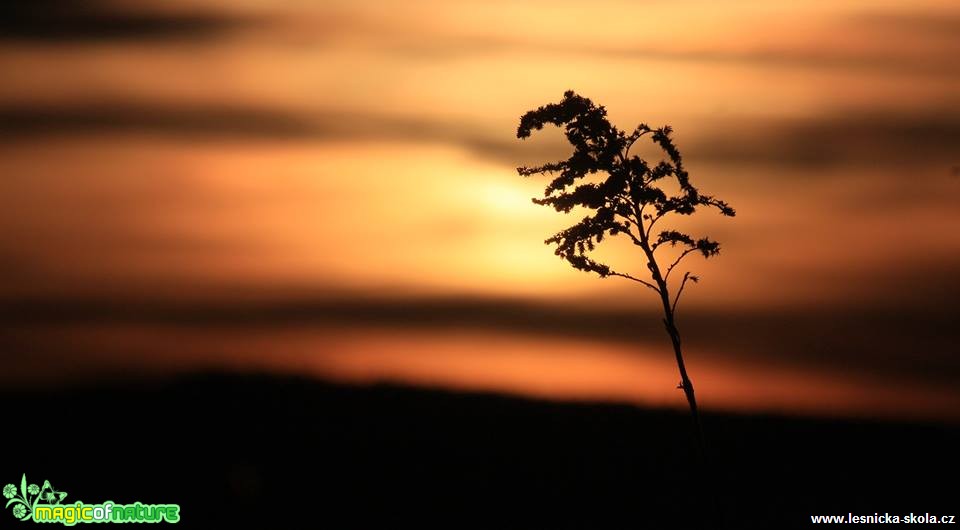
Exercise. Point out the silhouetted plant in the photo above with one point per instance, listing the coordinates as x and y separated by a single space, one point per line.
628 200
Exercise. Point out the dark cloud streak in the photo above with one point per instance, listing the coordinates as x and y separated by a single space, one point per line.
72 21
69 21
918 24
856 138
860 138
906 340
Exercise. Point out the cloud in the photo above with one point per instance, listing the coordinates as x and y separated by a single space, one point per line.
914 23
20 123
77 20
98 20
205 121
872 139
877 61
863 138
910 334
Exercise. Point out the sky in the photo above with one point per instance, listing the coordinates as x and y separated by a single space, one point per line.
330 188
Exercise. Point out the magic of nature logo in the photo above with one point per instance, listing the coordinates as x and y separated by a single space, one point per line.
45 504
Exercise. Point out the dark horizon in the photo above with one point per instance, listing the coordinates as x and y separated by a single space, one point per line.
370 455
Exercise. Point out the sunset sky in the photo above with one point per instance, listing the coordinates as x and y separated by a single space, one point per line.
330 188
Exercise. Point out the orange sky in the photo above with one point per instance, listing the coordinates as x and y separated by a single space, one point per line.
236 150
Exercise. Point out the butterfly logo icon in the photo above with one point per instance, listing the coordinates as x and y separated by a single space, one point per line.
49 495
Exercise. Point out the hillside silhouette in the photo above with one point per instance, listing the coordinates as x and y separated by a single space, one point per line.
241 450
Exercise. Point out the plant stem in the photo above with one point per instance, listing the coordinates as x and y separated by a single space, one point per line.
685 383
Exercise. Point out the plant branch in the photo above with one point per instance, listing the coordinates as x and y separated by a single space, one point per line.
677 261
686 276
629 277
638 211
654 221
631 222
636 135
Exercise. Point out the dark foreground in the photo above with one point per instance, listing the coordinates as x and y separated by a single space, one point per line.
258 451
